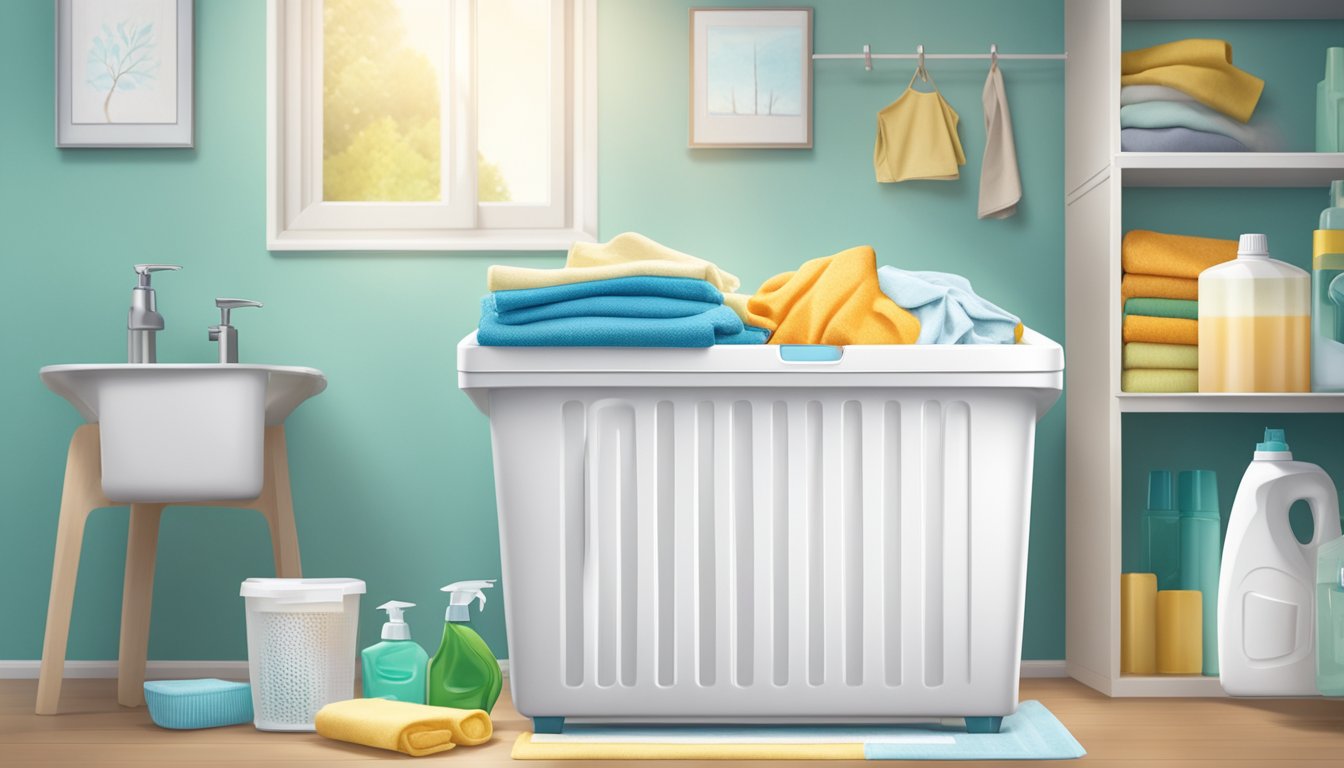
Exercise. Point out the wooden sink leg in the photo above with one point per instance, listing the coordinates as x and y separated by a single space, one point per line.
136 597
276 502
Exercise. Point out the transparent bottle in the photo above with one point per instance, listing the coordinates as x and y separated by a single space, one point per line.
1254 323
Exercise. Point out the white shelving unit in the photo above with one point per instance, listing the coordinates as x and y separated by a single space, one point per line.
1096 173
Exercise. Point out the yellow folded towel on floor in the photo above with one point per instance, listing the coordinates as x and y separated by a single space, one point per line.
1141 354
1154 253
414 729
1158 287
625 255
1148 380
832 300
1161 330
1200 68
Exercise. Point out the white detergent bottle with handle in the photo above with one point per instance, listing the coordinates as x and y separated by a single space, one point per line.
1266 613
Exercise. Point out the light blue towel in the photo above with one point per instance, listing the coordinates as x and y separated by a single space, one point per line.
718 325
684 288
654 307
948 309
1137 94
1196 117
1176 140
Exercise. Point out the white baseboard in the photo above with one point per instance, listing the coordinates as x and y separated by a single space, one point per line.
160 670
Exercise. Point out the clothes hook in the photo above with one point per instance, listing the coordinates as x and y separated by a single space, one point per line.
993 55
920 49
867 58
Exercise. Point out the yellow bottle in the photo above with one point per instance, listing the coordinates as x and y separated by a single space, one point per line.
1254 323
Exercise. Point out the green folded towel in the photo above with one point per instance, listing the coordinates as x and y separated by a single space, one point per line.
1184 309
1140 354
1151 380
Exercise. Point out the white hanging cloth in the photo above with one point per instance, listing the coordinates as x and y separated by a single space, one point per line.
1000 183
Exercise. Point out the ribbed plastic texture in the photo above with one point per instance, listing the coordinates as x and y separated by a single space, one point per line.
206 703
301 657
849 548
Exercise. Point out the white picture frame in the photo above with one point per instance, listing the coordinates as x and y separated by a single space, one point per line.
124 73
751 78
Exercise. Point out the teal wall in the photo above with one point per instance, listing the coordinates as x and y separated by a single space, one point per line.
391 465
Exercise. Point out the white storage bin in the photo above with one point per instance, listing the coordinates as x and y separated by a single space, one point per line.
764 533
301 637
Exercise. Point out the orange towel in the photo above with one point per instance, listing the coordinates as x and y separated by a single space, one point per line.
1153 253
1157 287
1161 330
832 300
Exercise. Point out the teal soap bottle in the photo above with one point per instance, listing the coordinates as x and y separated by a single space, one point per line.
1161 532
397 668
1201 545
1330 104
1330 618
1327 296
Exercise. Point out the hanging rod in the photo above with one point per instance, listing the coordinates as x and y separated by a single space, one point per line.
867 56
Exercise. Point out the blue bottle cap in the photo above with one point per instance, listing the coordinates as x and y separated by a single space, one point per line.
1198 493
1275 441
1159 490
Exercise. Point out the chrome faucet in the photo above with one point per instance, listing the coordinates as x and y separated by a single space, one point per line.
144 320
226 334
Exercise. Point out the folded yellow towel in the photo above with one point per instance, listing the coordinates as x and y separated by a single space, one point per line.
1158 287
1149 380
1141 354
624 255
1154 253
414 729
1161 330
1200 68
832 300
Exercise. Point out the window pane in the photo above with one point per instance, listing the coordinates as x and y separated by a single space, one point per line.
382 64
513 100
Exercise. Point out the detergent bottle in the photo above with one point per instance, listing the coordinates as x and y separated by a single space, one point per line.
1254 323
1330 104
1330 618
1266 601
395 668
1327 296
464 673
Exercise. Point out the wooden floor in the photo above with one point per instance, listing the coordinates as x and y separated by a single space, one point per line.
1198 733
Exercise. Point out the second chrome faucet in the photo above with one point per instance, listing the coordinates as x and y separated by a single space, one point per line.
144 321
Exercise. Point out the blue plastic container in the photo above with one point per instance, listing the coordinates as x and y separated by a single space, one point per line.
1201 551
205 703
1161 532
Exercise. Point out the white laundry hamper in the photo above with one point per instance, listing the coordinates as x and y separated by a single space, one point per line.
301 636
764 533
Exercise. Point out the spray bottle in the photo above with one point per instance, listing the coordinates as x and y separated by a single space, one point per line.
395 668
464 672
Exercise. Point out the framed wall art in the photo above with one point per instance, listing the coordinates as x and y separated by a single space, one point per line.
124 73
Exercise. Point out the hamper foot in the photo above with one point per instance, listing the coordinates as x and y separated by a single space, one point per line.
983 724
548 724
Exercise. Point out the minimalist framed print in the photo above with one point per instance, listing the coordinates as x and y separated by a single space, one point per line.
124 73
751 78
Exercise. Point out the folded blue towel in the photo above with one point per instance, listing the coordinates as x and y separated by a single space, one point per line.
718 325
1176 140
684 288
1197 117
948 309
651 307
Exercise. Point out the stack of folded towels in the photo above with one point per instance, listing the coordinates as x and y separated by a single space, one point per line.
1185 96
1160 295
628 292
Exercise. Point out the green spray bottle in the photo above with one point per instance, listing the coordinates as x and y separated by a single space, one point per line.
464 672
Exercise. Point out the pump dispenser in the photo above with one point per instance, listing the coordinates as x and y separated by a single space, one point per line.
395 668
464 672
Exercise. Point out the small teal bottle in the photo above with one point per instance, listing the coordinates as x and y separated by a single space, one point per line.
1330 104
1330 618
398 667
1201 551
1161 532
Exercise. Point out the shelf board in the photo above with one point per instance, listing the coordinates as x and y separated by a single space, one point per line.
1169 685
1172 10
1230 169
1217 402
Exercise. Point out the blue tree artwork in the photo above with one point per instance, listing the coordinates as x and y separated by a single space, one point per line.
122 58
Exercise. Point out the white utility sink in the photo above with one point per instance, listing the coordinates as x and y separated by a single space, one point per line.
192 432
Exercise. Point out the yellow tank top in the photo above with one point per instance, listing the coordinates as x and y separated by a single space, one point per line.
917 138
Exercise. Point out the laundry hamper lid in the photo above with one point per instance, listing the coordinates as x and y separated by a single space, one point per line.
302 590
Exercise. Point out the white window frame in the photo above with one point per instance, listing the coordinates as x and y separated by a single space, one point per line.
297 219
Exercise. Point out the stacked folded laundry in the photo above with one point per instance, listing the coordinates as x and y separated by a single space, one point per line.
1185 96
628 292
1160 296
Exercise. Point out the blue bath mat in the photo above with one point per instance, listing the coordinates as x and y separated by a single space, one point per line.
1032 733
